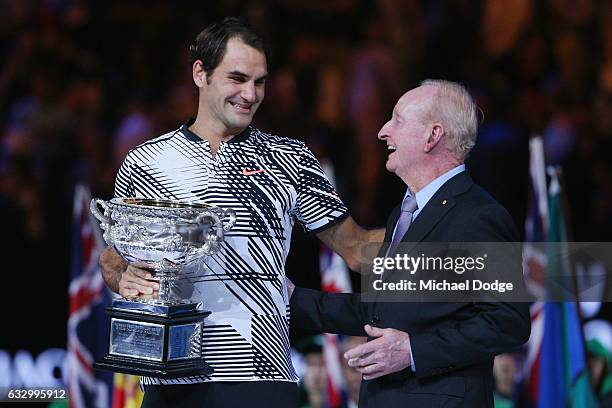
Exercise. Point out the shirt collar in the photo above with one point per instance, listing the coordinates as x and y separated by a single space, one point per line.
195 138
425 194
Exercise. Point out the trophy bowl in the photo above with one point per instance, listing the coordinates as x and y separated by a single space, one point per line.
163 236
159 337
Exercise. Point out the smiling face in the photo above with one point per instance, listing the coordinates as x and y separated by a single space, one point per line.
407 132
230 96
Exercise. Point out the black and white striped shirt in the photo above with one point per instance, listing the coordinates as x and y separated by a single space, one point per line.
270 182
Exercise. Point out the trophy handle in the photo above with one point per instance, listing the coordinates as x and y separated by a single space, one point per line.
211 239
202 219
231 214
94 208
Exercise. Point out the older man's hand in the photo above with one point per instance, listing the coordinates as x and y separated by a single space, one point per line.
387 353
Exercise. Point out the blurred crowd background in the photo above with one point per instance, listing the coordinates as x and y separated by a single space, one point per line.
82 82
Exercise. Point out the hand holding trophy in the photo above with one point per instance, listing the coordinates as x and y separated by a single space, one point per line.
159 337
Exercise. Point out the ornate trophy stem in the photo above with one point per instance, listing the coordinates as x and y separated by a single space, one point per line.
165 285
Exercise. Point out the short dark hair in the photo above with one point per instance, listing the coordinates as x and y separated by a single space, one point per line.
210 45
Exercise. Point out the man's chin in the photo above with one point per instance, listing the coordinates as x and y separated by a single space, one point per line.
238 119
237 126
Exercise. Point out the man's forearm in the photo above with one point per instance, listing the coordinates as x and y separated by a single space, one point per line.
349 240
112 266
374 236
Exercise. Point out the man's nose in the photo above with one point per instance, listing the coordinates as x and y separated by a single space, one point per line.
383 133
249 93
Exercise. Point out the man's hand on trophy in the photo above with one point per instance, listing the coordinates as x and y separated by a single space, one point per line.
138 283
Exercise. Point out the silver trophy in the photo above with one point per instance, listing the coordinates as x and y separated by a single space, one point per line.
160 337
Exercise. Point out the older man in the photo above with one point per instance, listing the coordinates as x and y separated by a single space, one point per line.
428 354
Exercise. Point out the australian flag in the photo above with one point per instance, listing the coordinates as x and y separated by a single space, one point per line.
87 323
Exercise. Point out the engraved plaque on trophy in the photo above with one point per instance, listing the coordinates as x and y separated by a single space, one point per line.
160 337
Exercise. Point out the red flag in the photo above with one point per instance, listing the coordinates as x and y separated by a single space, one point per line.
87 322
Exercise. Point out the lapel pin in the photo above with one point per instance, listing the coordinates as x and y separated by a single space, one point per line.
444 202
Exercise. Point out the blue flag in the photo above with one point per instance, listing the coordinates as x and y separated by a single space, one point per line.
564 379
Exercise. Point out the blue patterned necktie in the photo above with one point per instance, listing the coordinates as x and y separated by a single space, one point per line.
409 206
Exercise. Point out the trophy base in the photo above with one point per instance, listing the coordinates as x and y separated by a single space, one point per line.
153 369
155 341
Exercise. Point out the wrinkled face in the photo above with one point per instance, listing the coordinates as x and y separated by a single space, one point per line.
407 131
231 95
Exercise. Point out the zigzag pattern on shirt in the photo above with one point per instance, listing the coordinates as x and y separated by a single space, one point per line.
271 352
270 182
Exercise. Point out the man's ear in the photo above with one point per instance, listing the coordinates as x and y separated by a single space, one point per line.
199 75
435 135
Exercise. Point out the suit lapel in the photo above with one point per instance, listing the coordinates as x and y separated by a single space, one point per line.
429 217
435 210
391 221
437 207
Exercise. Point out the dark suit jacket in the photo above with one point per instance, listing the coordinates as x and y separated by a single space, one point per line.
453 344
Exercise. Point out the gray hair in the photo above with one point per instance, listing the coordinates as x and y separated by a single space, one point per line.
454 107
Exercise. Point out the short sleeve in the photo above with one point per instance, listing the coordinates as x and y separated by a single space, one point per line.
124 186
318 203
